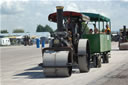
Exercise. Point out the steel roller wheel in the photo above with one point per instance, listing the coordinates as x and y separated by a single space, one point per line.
83 55
55 64
123 46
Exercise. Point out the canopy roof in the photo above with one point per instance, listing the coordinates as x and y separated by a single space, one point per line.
96 17
52 17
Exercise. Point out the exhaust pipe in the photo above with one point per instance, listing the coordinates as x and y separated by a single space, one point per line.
59 18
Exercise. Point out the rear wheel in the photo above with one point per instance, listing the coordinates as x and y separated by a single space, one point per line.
97 61
105 58
83 55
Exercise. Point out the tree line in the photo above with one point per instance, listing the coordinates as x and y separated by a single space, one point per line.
45 28
14 31
40 28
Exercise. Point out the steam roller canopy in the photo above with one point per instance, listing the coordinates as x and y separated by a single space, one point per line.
55 64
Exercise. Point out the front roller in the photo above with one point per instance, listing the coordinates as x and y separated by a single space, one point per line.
57 64
83 55
123 46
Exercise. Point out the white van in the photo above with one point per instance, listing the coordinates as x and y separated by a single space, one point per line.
5 41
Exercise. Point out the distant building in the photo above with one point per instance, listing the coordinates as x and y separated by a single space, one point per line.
36 34
17 38
5 41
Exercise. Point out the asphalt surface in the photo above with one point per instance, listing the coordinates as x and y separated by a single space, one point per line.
19 66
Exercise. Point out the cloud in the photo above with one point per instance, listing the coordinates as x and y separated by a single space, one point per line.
97 11
30 13
72 7
9 8
9 1
124 0
38 14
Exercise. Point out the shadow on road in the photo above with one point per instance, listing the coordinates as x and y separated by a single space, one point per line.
37 73
34 68
31 73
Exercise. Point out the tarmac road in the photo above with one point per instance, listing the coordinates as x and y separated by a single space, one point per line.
19 66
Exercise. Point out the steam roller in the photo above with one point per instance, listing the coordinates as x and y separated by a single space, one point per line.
123 41
67 47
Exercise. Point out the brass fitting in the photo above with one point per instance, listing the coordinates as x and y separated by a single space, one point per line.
59 7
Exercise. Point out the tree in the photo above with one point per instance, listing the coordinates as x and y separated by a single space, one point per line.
45 28
40 28
3 31
18 31
48 28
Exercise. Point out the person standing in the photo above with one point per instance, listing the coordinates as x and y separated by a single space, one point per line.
107 30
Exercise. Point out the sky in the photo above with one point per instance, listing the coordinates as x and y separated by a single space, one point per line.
27 14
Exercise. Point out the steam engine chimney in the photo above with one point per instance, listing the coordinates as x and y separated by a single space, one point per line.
59 18
124 31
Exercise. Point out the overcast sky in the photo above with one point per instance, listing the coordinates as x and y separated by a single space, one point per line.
27 14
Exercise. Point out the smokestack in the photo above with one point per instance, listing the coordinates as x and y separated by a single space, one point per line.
59 18
124 31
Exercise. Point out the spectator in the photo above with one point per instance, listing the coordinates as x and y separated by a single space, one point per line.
95 29
107 30
90 31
